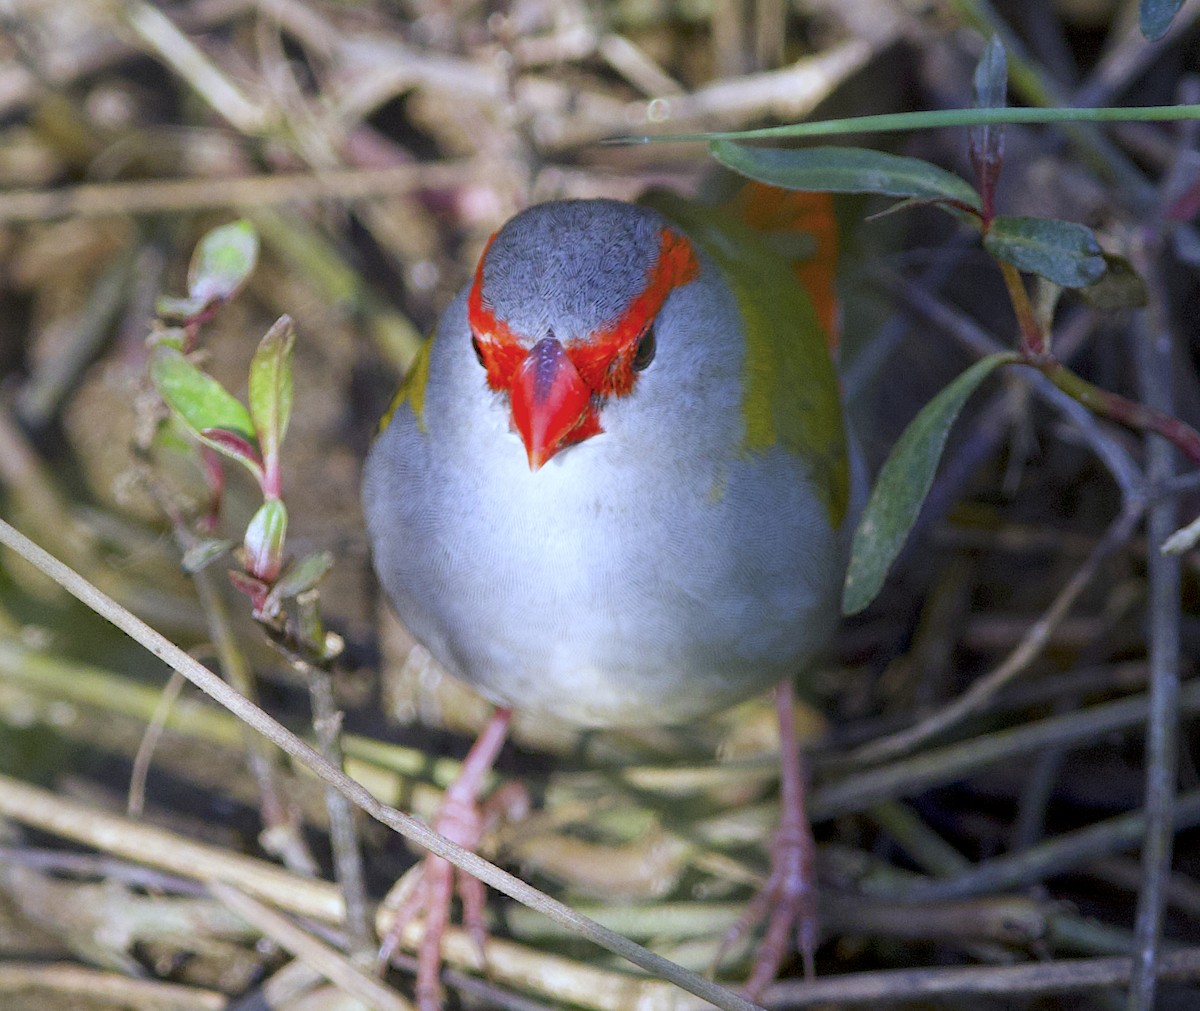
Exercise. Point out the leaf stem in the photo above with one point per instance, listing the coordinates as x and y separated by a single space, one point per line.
1127 412
1033 340
272 477
898 121
1036 352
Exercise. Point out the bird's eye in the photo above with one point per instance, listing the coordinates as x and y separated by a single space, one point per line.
477 349
644 354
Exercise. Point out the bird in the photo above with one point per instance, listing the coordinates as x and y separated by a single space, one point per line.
616 487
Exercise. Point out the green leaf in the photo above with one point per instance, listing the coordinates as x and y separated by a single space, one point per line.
991 78
203 553
903 484
204 406
169 336
171 307
986 144
270 390
264 540
845 170
1060 251
222 262
1121 287
1155 16
299 578
233 444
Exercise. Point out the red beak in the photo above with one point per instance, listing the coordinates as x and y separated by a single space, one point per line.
551 404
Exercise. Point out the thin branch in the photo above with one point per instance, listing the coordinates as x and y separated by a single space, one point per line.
1033 341
329 962
69 984
975 339
1065 852
1069 975
407 826
136 804
149 196
1142 417
1152 348
163 38
343 834
956 761
283 836
1029 648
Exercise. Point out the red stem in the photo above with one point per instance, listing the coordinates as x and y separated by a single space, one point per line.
1035 350
1127 412
1033 340
272 479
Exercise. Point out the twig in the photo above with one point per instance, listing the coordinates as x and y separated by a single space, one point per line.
158 847
511 963
406 825
1033 341
636 66
569 117
73 982
1152 349
149 196
1063 852
160 34
1183 890
1030 646
1111 453
928 849
1142 417
1002 981
283 836
956 761
326 960
1035 347
136 803
343 836
54 677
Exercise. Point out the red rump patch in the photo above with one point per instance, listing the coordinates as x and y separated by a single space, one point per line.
769 209
599 365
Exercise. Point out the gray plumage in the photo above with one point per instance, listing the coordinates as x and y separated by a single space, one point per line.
649 574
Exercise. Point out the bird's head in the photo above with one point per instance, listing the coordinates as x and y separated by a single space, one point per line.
562 312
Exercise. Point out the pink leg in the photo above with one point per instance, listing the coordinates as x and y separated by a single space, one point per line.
790 895
461 820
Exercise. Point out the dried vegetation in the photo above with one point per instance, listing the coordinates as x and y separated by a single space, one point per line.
989 855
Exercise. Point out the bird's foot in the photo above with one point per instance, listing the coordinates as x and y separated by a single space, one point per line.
787 901
430 890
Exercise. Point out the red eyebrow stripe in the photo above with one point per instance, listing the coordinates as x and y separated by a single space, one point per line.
604 360
502 353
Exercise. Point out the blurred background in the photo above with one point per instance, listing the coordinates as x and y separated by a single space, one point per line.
375 146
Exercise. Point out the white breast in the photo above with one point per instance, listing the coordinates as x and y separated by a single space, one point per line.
652 573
